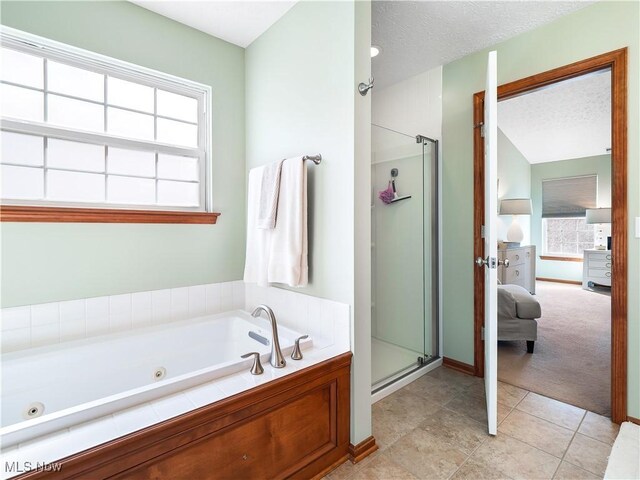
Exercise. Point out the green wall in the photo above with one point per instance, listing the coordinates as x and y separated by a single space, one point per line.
301 99
598 28
299 92
600 165
514 175
52 262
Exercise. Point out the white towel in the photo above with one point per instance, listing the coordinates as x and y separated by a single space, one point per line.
288 261
279 255
270 188
257 250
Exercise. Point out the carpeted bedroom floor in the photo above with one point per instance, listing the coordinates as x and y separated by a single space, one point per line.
572 356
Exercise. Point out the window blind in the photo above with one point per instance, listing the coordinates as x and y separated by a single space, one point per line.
569 196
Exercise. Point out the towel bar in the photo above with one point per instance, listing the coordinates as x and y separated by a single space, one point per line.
314 158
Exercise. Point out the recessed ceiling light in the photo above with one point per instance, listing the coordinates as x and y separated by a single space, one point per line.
375 51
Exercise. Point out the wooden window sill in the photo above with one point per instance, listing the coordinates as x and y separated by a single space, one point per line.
561 259
12 213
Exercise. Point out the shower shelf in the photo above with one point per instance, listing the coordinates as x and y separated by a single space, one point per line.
395 200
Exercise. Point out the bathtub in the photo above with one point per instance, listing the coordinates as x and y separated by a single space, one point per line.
50 388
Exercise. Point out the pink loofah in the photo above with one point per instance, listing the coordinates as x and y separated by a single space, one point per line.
387 195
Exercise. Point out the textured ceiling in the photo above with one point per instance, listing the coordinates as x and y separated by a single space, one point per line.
570 119
418 36
237 22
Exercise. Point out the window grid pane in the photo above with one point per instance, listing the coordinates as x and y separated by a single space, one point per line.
179 107
22 182
73 186
74 81
568 236
73 173
22 103
131 95
76 114
81 157
69 107
179 119
21 68
19 149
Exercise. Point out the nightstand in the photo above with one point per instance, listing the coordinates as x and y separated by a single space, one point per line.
522 267
596 268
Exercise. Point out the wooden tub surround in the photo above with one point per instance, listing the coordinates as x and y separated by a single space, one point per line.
293 427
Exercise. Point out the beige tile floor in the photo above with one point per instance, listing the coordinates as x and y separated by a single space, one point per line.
435 428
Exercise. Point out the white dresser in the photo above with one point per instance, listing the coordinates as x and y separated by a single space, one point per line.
522 267
596 268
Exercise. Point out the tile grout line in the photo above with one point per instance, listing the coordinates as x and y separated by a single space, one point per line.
463 414
575 432
483 441
540 450
465 390
596 439
526 443
522 399
547 420
592 437
569 446
440 406
487 437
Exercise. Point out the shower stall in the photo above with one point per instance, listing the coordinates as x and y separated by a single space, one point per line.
404 254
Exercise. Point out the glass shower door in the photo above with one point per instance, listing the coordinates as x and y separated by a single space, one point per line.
402 242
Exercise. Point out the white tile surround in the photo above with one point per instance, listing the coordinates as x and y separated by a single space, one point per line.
44 324
326 321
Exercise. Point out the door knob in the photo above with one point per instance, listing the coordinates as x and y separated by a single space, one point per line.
481 262
504 262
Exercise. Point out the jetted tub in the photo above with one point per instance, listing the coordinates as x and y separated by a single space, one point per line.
49 388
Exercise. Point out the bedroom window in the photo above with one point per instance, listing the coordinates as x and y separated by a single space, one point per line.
567 236
85 135
564 205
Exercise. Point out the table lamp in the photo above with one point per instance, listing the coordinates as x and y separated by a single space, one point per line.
515 207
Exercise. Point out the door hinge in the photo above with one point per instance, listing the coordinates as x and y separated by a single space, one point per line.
482 333
481 126
482 131
481 231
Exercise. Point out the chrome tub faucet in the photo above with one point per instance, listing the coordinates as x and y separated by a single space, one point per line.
277 359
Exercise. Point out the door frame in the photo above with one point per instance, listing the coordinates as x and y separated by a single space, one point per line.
617 62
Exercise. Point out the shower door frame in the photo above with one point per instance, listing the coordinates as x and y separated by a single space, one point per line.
435 268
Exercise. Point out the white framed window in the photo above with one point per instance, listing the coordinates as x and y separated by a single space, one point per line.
79 129
565 201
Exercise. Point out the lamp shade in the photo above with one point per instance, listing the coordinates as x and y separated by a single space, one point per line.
598 215
516 206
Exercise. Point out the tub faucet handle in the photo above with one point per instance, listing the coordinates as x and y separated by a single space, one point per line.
256 368
297 353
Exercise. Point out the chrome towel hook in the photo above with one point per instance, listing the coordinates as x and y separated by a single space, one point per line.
363 88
